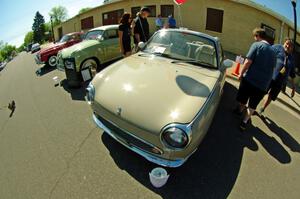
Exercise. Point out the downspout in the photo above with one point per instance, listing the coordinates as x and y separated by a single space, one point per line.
281 33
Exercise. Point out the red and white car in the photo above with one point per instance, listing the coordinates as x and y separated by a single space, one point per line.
49 55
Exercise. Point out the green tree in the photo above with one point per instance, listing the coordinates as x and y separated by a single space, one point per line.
58 14
7 51
82 10
21 48
38 28
1 58
28 38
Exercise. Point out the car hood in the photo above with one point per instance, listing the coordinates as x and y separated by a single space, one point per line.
153 92
52 47
67 52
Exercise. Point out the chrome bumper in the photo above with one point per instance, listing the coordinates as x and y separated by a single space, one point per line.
146 155
37 60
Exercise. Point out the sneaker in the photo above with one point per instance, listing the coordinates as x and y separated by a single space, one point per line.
243 125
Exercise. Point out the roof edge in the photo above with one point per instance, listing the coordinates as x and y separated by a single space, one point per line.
268 11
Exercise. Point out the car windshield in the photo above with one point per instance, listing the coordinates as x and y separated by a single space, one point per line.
95 34
183 46
65 38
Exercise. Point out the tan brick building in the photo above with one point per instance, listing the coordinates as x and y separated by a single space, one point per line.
230 20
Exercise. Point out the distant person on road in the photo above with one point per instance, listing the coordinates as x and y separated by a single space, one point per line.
140 26
285 67
159 22
125 34
255 76
171 22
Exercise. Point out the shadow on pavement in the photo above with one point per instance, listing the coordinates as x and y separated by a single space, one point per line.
44 70
76 93
210 173
285 137
274 148
289 105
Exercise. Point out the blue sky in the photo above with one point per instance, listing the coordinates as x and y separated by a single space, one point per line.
17 15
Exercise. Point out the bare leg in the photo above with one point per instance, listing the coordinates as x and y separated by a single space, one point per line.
248 115
267 102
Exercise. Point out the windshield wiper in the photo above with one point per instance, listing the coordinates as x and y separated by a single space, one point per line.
195 62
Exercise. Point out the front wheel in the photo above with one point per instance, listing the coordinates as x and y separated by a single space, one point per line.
52 61
92 65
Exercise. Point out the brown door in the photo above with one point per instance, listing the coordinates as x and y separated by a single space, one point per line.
112 17
60 32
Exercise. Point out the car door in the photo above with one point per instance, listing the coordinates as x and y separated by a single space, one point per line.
111 44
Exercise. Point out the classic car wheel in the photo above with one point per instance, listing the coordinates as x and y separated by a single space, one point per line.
92 65
52 61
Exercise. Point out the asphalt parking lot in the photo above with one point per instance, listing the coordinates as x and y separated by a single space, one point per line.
50 148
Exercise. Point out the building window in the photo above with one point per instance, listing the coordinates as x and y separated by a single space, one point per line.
270 32
166 10
152 10
214 20
134 11
87 23
112 17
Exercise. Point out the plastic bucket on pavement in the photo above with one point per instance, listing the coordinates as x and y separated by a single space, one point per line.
158 177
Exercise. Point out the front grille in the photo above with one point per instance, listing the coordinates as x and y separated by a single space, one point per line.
60 63
129 139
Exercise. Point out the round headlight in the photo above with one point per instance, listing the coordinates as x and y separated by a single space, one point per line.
90 93
69 64
175 137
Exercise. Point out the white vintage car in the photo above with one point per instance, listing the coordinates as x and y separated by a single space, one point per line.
160 102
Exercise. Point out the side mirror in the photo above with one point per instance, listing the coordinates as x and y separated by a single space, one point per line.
141 45
227 63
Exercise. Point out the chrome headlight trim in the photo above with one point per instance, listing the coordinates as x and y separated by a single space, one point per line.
90 94
69 64
184 128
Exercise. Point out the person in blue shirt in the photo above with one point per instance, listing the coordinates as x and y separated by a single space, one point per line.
255 76
171 22
159 22
285 67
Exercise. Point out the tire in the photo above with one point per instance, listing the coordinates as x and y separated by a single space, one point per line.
92 64
52 61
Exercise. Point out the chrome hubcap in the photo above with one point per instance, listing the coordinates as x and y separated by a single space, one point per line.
92 65
53 61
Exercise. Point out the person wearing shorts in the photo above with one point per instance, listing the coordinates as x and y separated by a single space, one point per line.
255 76
284 68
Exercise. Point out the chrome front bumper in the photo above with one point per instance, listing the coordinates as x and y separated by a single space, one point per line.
146 155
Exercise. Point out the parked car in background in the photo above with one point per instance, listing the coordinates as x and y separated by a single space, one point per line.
28 47
2 65
175 83
35 47
82 61
49 55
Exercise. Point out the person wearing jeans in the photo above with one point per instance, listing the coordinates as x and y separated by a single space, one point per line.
285 66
